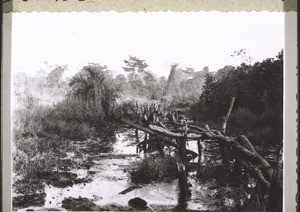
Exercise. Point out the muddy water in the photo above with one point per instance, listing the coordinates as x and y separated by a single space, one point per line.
108 175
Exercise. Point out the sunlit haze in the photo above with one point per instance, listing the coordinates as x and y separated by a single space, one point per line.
43 40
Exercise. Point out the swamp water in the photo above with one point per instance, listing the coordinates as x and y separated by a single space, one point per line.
100 178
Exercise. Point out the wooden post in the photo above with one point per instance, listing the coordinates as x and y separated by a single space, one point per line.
176 115
237 168
137 148
145 144
199 152
200 173
227 115
225 154
182 151
139 122
160 147
184 193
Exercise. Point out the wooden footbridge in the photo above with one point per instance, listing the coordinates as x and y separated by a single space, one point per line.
172 129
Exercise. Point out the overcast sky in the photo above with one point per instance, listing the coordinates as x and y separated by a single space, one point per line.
190 39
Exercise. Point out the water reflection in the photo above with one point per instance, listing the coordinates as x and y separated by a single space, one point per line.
111 176
184 194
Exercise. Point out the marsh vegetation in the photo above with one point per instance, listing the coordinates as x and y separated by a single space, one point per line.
72 151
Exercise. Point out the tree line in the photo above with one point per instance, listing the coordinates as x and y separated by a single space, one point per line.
258 90
95 97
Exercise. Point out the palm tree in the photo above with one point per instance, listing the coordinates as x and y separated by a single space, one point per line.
95 84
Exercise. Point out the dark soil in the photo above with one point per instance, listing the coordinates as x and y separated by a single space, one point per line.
27 200
61 179
79 204
32 192
85 204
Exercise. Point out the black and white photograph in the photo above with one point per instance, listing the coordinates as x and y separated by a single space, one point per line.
147 111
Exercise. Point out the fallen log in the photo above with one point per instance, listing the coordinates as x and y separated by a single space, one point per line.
245 153
132 124
160 137
189 131
194 127
161 124
268 171
165 131
257 174
262 171
173 134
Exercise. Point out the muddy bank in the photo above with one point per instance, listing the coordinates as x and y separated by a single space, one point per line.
96 175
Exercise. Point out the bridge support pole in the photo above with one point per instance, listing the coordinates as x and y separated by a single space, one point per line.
199 152
225 154
184 192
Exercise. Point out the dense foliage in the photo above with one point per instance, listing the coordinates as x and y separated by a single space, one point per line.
258 90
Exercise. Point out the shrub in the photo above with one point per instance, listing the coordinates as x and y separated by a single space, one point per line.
33 153
154 168
77 109
260 128
242 120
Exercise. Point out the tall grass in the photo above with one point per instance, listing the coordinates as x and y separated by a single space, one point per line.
34 149
41 133
73 118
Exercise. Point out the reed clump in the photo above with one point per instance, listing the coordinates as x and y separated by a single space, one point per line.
154 168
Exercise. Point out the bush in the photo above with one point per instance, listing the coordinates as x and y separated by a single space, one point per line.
73 119
32 153
260 129
76 109
154 168
242 120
